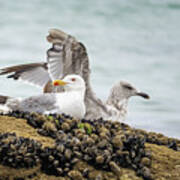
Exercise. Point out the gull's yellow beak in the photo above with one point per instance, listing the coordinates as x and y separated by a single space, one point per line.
59 82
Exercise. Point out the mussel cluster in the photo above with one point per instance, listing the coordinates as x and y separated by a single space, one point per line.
160 139
104 154
18 152
103 144
40 122
60 159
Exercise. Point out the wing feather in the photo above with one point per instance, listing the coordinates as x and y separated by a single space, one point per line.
73 60
34 73
59 57
55 67
66 56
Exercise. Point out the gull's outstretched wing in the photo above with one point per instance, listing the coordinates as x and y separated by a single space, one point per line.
68 56
34 73
60 56
55 57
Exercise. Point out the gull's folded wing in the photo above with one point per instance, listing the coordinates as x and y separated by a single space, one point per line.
34 73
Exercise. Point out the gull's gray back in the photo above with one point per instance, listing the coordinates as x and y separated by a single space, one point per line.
40 103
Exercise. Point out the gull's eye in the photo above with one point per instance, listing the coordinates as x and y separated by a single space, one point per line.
128 87
73 79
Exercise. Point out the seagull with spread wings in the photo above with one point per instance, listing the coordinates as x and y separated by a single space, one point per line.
69 56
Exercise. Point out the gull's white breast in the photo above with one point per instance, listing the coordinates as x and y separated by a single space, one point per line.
71 103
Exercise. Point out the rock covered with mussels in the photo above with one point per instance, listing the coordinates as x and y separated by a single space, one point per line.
104 145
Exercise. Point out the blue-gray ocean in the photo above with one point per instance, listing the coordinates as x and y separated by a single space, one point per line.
134 40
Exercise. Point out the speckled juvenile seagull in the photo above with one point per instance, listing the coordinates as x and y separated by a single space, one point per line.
70 102
68 56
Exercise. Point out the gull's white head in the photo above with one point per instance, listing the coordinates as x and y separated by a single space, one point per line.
71 82
124 90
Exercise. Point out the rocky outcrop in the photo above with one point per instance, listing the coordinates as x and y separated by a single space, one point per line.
58 147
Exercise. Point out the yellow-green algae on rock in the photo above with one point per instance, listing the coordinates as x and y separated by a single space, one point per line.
163 164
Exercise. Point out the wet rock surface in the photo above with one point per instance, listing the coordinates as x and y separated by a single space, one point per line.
102 145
